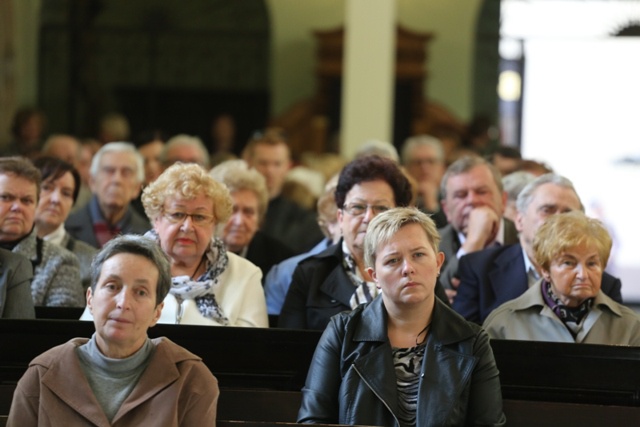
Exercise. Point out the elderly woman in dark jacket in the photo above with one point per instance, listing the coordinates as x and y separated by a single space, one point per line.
336 279
405 359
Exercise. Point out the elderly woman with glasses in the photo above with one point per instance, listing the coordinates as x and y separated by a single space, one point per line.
210 286
336 280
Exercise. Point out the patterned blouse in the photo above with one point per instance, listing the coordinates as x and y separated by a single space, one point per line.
408 364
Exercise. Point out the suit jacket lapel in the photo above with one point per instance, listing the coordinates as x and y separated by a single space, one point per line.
509 279
449 243
80 225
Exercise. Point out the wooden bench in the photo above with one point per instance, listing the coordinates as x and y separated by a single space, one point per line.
570 373
265 405
59 313
261 371
239 357
279 406
223 423
274 406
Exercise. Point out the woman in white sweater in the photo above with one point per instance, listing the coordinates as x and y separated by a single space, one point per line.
210 286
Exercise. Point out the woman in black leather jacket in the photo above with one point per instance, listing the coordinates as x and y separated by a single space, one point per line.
404 359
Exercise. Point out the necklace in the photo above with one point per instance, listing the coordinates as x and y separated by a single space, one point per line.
424 331
198 268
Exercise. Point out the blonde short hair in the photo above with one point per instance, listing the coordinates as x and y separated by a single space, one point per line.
385 225
186 181
237 176
565 231
327 210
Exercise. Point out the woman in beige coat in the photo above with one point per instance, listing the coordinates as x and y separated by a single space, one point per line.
119 377
566 305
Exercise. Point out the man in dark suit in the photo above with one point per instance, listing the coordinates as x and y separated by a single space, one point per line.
493 276
285 220
473 200
117 173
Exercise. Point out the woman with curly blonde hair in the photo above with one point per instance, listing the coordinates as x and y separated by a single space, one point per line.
210 286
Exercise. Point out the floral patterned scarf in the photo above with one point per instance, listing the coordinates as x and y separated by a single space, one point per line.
203 288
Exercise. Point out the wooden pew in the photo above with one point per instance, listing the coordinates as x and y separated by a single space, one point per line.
265 369
571 373
279 359
223 423
523 413
233 405
60 313
275 359
268 407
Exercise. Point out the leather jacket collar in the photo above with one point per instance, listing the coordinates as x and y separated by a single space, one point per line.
373 326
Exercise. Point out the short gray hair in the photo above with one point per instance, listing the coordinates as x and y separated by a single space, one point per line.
526 195
420 140
465 164
118 147
515 182
385 225
135 245
237 176
374 147
184 140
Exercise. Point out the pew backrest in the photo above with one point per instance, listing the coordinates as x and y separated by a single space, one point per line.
571 373
275 359
278 359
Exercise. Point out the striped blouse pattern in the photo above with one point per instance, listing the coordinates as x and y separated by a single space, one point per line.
408 363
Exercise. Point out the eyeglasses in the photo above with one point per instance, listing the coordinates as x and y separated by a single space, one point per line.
196 218
357 209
